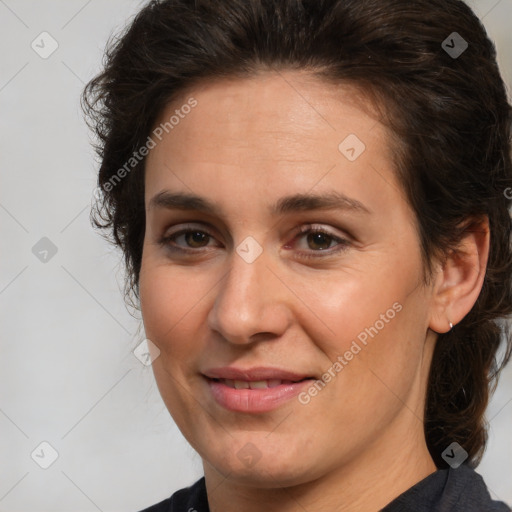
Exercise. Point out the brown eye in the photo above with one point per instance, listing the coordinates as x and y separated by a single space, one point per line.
196 238
188 240
319 241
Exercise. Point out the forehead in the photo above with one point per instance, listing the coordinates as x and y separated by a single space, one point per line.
293 103
278 130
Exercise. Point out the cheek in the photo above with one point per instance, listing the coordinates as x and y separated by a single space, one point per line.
172 305
373 319
156 301
351 306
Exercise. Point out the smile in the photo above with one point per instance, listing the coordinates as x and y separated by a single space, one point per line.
255 396
256 384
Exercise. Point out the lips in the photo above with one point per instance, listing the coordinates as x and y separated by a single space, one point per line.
254 390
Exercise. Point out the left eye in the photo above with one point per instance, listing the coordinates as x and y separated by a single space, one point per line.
318 240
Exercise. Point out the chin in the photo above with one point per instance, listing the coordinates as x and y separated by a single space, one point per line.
264 468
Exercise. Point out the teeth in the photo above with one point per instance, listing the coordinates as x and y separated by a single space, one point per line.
255 384
259 384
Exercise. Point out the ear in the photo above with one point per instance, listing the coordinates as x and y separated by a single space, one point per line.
460 277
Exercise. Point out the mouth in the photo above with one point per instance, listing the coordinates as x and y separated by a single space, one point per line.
255 374
256 390
257 384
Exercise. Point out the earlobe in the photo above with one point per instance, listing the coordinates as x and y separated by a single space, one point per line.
460 277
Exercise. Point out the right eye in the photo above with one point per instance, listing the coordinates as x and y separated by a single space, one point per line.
187 240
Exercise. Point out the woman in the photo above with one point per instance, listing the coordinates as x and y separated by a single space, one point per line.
311 201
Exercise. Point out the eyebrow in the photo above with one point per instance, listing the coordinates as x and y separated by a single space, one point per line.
287 204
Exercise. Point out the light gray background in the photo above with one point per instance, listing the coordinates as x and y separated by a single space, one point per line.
68 376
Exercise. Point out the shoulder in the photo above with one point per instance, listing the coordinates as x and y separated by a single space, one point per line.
448 490
188 499
469 492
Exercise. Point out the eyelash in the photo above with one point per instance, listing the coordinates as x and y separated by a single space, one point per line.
304 231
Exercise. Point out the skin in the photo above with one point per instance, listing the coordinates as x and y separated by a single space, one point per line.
359 442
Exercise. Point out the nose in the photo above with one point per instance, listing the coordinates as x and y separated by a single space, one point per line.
251 303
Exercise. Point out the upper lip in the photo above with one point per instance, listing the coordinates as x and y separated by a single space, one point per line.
253 374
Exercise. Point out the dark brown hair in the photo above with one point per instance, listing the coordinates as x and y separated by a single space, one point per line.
448 114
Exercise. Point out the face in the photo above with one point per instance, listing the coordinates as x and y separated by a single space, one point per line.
281 280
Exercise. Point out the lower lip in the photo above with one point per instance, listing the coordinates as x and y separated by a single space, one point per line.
254 400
